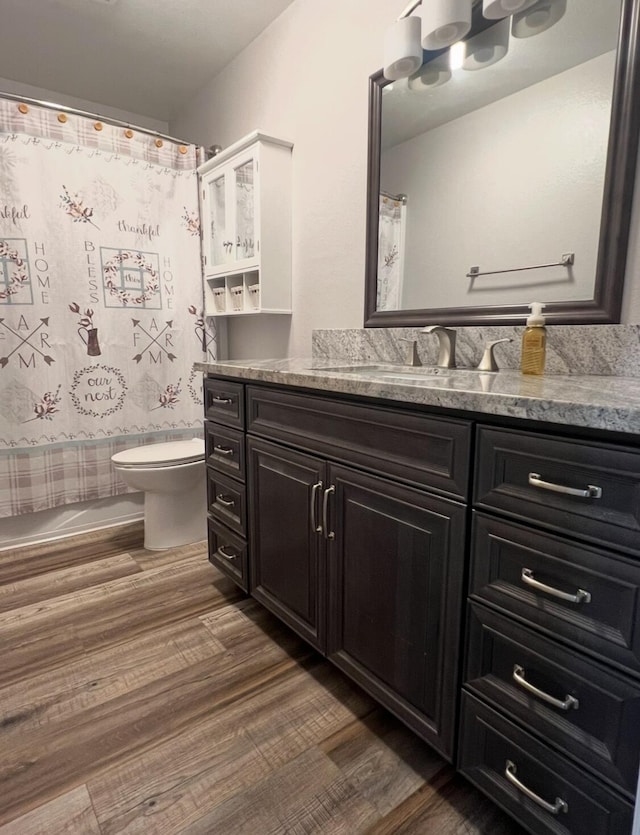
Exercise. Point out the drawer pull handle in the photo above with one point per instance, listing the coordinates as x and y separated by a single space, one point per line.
325 513
592 492
562 704
227 401
223 450
225 501
581 596
315 527
554 808
221 552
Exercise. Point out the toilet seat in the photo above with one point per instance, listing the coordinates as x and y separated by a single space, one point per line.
171 453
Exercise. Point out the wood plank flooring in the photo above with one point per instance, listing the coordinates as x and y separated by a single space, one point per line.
142 692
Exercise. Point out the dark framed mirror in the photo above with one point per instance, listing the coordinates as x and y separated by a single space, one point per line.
528 210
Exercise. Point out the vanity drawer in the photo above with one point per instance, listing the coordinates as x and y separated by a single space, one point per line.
546 479
491 748
224 402
607 625
225 449
228 552
583 708
226 500
424 451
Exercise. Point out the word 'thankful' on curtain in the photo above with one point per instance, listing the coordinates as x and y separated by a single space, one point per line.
100 302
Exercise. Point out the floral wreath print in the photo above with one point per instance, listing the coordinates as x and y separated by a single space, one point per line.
151 284
87 331
74 207
17 279
77 380
191 222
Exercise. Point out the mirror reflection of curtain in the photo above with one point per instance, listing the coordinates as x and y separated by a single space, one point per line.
391 238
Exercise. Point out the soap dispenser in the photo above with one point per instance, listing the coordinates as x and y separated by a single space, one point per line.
534 341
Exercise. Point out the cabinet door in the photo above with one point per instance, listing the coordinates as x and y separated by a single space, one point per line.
219 229
287 550
395 597
243 185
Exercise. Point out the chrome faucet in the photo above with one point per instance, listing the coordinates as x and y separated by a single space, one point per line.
488 361
447 340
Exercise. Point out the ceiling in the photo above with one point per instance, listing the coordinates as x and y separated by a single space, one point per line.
145 56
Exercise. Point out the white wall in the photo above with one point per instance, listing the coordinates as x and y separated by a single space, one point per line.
305 78
534 159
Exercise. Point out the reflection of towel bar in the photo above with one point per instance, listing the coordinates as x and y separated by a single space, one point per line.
567 260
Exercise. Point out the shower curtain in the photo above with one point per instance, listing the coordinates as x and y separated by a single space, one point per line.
391 234
100 302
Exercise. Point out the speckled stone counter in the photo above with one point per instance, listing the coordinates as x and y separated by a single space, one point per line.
597 402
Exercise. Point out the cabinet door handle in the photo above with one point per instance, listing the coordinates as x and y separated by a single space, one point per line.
222 553
581 596
224 501
554 808
325 513
223 450
592 492
315 527
562 704
226 400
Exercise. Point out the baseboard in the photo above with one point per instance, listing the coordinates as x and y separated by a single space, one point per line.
70 520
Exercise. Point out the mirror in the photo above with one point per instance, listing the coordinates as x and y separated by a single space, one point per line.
509 179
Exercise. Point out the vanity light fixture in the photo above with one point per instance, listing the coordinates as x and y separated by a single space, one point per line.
402 49
495 9
444 22
441 23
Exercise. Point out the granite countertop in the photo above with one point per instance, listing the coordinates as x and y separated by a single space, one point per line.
598 402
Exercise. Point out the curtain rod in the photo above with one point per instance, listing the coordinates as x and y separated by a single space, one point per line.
117 122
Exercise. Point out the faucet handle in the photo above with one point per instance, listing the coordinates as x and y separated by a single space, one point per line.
488 361
412 357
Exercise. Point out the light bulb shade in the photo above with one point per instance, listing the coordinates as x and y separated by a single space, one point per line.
444 22
538 18
402 50
495 9
488 47
432 74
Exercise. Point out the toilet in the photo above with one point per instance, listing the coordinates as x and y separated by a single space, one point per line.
172 477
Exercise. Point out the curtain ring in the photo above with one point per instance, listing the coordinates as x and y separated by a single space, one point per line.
23 108
62 118
129 133
97 125
183 149
159 143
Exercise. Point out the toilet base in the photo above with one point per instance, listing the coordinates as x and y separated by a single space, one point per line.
174 519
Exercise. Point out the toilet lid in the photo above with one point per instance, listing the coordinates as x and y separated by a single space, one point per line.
173 452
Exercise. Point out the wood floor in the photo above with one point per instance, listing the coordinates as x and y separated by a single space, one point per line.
140 692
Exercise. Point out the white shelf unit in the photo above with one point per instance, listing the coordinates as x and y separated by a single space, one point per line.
245 201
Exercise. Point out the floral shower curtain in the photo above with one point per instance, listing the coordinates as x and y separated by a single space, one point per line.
391 233
100 302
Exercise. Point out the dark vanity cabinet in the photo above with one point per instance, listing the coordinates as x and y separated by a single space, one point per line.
226 474
482 581
357 527
551 702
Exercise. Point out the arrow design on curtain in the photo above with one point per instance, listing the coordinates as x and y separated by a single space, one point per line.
154 340
25 340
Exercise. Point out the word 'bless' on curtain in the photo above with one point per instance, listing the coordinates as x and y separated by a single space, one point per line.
100 303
